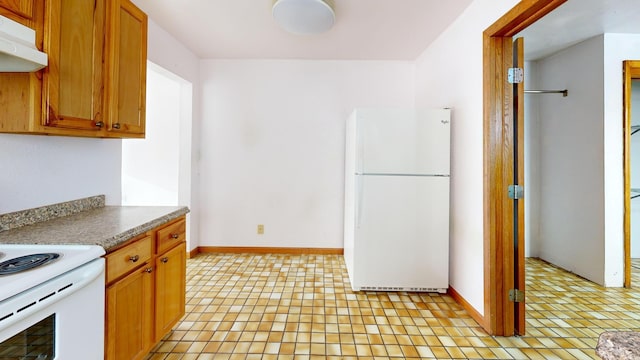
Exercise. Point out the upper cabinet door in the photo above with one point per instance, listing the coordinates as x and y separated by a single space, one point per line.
127 68
73 82
22 11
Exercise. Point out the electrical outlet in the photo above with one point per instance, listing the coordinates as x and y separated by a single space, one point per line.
260 229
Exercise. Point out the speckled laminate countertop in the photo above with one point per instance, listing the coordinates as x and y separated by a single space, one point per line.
107 226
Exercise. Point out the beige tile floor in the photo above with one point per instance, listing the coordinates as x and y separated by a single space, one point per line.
301 307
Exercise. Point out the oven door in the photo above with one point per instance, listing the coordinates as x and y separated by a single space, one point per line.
61 319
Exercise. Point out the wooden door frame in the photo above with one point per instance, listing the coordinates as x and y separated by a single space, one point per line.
518 102
498 161
631 71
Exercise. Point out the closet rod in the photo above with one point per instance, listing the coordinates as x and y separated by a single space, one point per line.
563 92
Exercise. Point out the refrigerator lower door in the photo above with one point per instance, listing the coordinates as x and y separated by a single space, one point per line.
401 237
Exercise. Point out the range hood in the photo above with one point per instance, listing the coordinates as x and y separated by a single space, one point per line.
18 52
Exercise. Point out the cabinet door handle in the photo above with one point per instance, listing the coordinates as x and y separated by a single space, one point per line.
134 258
148 270
164 259
99 124
116 126
174 236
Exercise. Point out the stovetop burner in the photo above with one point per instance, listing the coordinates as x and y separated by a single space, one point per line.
26 262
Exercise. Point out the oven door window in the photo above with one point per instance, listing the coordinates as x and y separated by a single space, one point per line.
35 342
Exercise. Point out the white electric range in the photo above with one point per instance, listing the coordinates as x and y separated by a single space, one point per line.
57 299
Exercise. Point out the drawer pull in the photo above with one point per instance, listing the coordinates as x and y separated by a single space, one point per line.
116 126
148 270
165 259
99 124
174 236
134 258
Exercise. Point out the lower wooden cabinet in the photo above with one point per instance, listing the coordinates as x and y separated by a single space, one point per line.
145 294
170 289
129 318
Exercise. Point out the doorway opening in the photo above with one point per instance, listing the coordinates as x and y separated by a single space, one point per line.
156 170
503 315
499 119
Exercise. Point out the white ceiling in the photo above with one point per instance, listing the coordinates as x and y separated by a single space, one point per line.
368 29
364 29
578 20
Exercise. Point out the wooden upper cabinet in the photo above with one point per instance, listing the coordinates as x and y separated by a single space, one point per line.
74 80
22 11
20 93
127 68
95 82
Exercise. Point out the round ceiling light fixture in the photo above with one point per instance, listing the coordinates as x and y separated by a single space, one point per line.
304 16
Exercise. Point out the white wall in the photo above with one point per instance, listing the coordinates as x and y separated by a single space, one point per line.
582 194
43 170
273 145
572 160
150 166
635 170
167 52
449 73
617 48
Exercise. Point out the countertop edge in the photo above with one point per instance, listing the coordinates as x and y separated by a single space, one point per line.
114 242
107 226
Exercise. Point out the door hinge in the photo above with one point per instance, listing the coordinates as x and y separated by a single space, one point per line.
515 75
515 192
516 295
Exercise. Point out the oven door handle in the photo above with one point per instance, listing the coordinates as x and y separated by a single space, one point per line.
20 306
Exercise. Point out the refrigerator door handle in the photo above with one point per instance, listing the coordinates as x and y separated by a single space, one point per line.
360 200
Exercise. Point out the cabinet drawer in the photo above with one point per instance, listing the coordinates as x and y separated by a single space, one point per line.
170 235
128 258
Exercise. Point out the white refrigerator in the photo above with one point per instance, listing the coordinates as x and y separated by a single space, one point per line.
396 226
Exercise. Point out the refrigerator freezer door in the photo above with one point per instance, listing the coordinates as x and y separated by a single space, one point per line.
403 141
402 237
